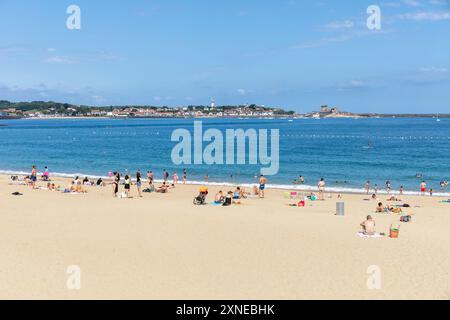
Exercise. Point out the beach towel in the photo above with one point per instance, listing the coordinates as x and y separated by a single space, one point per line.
215 204
362 235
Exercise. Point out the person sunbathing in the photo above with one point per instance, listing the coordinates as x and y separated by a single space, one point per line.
164 188
380 207
72 187
80 189
395 210
219 198
228 199
237 194
393 198
368 226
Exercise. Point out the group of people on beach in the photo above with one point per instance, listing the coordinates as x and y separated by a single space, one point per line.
128 182
422 187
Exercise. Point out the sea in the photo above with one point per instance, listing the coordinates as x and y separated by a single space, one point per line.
345 152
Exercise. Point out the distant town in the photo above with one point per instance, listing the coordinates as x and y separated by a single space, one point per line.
49 109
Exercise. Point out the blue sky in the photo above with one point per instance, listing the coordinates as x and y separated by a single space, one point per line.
296 54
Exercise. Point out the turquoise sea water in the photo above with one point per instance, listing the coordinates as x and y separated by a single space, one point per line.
335 149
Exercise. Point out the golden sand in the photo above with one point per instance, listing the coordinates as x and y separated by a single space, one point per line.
161 246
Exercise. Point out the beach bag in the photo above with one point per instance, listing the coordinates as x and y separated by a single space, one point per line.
393 232
405 218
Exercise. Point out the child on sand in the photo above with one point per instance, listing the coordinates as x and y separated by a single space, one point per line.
262 186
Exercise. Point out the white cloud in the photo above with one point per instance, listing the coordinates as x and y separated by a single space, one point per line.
412 3
242 92
426 16
336 25
434 69
60 60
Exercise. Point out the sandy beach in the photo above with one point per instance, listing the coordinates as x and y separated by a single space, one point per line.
161 246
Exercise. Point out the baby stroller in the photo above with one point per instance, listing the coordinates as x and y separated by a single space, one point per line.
201 198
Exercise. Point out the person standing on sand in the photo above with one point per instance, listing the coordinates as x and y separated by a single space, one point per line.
150 177
321 186
33 176
401 190
175 178
388 186
127 185
375 188
115 184
46 174
423 188
138 183
367 187
184 176
262 186
165 175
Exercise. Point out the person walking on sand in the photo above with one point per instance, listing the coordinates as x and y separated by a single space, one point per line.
262 186
321 186
423 188
367 187
139 183
184 176
165 175
375 189
175 178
